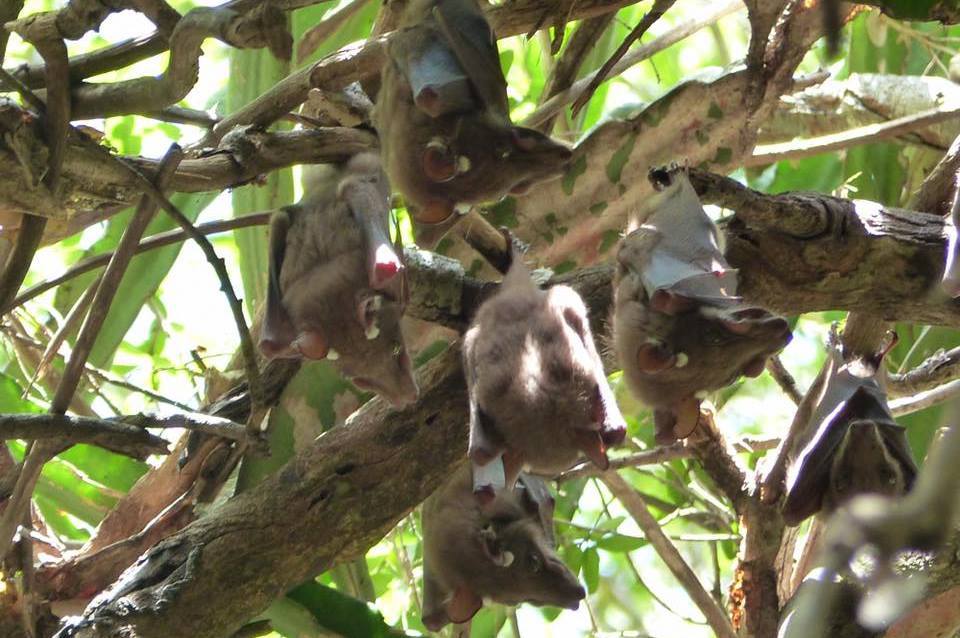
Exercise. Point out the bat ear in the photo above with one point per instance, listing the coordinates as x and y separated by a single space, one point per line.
312 344
493 549
277 332
368 311
670 303
653 357
463 605
591 444
529 140
439 163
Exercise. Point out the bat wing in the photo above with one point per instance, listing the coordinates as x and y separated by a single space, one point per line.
685 259
434 611
951 270
808 472
895 438
485 447
472 41
277 332
370 208
540 500
438 83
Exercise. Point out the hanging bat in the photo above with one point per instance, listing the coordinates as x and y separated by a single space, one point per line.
336 287
538 394
446 137
951 270
504 552
679 330
847 442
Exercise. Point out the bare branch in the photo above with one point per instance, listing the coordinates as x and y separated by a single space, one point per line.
939 368
658 455
119 437
644 52
41 452
925 399
771 153
261 28
633 502
156 241
659 8
784 379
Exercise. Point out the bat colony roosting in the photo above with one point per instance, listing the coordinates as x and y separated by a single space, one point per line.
538 395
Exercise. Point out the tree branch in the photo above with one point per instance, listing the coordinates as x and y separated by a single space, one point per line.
130 440
41 452
633 502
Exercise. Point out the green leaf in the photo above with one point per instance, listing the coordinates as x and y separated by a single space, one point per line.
621 543
112 470
252 72
342 614
11 398
591 569
142 278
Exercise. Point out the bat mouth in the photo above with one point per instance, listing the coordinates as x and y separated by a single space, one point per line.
398 401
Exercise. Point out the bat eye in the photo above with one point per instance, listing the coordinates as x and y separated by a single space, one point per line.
536 563
439 164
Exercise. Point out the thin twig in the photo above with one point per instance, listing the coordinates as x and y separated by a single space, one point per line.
219 267
70 379
772 153
925 399
784 379
656 12
633 502
549 108
663 454
150 243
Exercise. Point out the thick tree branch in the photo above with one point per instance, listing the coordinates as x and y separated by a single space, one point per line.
939 368
119 437
366 58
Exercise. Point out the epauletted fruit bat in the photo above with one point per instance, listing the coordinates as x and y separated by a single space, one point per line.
679 328
336 286
539 397
443 117
847 442
503 551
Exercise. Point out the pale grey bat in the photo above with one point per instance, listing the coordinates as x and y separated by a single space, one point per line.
443 118
679 330
539 397
846 442
336 286
504 551
950 281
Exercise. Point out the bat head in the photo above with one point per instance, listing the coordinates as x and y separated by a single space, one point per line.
482 158
668 358
866 463
517 540
374 356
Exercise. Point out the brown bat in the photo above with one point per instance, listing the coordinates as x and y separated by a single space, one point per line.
846 442
442 114
504 551
336 286
539 397
679 330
